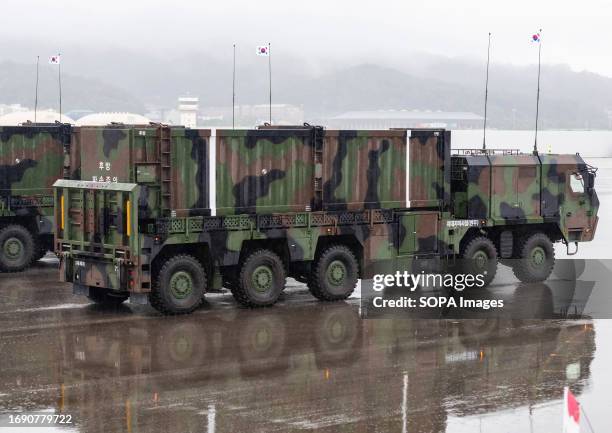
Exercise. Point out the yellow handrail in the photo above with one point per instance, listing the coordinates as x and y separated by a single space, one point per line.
62 218
129 218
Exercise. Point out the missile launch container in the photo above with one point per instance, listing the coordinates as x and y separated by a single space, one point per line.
167 214
34 156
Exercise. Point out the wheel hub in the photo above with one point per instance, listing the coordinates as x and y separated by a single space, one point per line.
13 248
336 273
480 260
262 278
181 285
538 256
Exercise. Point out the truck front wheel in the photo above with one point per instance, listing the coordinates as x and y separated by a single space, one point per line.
16 248
479 256
335 274
536 259
179 286
262 279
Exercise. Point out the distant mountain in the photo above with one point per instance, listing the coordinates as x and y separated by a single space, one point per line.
121 80
568 99
18 84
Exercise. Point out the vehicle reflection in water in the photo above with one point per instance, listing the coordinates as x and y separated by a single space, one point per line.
286 369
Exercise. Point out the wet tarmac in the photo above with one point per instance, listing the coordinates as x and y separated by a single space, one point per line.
301 365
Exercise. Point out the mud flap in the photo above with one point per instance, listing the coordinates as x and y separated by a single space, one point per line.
80 289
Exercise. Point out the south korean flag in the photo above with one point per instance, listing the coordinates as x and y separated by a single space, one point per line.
263 50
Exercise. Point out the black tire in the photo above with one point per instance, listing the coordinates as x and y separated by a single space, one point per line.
261 280
536 259
334 274
40 253
17 248
479 256
101 296
180 286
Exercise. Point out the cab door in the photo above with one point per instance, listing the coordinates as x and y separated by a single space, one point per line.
579 211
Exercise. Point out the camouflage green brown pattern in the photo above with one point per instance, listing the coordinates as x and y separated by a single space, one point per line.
364 169
267 181
264 171
31 159
519 189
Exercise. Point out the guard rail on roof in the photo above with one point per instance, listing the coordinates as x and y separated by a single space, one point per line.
486 151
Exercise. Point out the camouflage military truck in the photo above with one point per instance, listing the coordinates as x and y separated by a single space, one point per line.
244 209
31 159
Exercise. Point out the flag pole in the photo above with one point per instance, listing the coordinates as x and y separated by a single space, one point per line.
59 79
234 89
484 127
36 93
270 79
535 143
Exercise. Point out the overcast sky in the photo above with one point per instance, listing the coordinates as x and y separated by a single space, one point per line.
574 32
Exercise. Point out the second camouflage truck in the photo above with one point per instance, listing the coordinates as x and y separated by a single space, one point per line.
245 209
32 158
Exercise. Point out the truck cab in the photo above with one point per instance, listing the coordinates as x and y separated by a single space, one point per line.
522 204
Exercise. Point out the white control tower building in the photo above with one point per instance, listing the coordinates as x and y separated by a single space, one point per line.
188 109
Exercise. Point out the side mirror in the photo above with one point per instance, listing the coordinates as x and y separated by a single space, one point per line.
590 182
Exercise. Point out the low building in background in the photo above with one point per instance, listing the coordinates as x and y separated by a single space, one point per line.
252 115
77 114
42 116
384 119
11 108
100 119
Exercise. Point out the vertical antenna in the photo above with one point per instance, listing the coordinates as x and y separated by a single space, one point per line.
59 79
36 93
270 78
234 90
535 142
484 127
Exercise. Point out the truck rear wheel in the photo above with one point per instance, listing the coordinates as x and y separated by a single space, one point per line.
41 251
335 274
536 259
101 296
179 286
479 256
262 279
16 248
